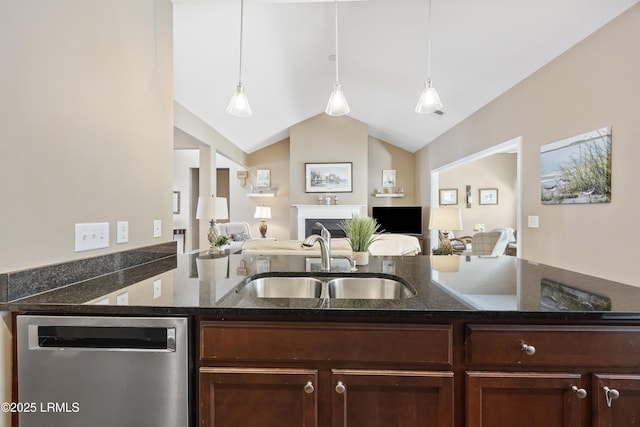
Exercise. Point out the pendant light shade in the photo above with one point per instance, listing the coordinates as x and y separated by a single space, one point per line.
337 105
429 101
239 104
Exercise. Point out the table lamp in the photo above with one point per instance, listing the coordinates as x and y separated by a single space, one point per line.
212 208
264 213
445 219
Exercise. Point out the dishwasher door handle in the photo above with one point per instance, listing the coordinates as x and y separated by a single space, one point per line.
102 338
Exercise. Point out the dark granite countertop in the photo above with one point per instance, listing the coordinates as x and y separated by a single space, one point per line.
473 287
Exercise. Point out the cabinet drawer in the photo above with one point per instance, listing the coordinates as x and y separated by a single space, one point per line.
342 342
606 346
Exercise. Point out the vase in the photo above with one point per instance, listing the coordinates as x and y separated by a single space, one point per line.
361 258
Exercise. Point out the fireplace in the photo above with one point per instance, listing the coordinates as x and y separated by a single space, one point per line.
329 223
329 215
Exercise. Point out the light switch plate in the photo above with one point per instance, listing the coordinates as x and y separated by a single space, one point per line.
90 236
533 221
157 228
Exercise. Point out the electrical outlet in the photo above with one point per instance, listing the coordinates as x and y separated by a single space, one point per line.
157 288
157 228
122 299
122 232
90 236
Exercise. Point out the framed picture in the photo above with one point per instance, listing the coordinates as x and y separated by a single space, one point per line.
449 196
488 196
176 202
389 178
577 169
263 178
328 177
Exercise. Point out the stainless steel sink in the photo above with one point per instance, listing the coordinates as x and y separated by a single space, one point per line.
368 288
284 287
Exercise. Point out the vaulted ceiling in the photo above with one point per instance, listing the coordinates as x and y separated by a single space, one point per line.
479 49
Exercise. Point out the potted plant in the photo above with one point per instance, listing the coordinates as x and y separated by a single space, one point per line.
360 233
220 241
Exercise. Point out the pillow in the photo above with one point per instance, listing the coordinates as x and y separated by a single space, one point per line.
239 237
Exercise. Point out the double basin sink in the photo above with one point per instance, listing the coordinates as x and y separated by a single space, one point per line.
344 287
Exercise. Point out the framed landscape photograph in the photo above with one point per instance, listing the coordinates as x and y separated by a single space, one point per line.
488 196
449 196
328 177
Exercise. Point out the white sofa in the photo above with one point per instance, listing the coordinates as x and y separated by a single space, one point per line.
388 244
237 232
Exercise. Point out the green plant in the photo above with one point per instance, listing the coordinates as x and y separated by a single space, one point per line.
437 251
360 232
221 240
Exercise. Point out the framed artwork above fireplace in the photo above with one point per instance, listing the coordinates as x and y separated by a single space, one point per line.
328 177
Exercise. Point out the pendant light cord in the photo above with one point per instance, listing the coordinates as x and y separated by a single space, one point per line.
429 43
336 13
241 22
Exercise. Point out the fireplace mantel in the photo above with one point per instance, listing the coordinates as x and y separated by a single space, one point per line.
326 212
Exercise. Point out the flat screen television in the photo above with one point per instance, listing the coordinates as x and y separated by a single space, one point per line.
398 219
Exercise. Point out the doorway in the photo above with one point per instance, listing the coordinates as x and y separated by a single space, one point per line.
512 146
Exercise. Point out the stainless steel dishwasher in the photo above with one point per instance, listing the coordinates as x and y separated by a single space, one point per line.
103 371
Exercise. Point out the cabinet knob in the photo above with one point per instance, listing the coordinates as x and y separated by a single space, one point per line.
610 394
580 392
340 388
528 349
308 388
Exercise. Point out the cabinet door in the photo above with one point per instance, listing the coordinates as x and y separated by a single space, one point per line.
364 398
242 397
503 399
622 407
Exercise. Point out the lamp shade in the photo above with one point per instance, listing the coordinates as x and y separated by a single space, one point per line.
262 212
429 101
222 212
445 219
239 104
206 207
337 105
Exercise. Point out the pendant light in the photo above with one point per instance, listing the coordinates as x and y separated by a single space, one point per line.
239 104
429 101
337 105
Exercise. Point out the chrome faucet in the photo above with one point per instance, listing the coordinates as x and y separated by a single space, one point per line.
326 235
325 251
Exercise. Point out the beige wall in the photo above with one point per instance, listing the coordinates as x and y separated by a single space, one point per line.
327 139
383 155
496 171
86 127
592 85
275 158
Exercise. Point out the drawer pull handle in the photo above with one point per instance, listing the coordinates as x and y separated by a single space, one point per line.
308 388
340 388
610 394
580 392
528 349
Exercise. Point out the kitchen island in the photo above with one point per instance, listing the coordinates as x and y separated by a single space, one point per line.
481 341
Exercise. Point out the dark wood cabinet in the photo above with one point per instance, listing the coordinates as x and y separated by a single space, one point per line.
392 398
504 399
519 375
258 397
330 375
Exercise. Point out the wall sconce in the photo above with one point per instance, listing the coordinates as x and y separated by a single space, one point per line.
242 176
469 199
